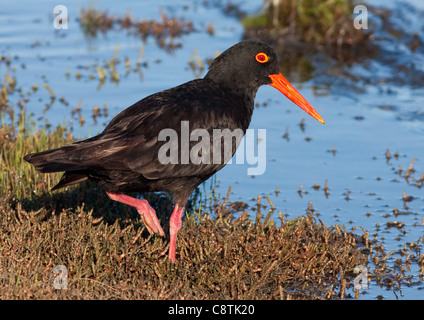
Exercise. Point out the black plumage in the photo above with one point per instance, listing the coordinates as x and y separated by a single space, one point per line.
125 156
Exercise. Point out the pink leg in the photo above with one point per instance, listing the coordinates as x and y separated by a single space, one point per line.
174 227
147 213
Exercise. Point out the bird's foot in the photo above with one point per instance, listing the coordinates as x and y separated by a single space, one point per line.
147 213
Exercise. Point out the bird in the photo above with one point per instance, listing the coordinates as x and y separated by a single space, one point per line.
133 154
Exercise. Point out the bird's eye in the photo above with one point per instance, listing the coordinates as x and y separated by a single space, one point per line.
262 57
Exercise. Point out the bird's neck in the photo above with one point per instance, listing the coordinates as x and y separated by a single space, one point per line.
236 88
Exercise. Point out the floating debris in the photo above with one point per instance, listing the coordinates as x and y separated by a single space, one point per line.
196 64
302 124
395 224
347 195
410 170
45 85
92 21
165 31
299 191
326 190
388 156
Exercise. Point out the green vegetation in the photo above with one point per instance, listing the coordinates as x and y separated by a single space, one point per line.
311 24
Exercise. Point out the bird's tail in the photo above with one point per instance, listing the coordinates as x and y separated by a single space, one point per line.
79 160
54 160
57 160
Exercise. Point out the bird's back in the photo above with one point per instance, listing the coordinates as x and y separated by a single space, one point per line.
133 153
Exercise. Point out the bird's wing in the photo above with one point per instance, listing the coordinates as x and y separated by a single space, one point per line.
131 142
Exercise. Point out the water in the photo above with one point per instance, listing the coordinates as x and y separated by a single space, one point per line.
382 108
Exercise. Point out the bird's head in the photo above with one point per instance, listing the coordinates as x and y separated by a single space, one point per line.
249 64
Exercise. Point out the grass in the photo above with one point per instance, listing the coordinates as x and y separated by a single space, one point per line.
223 252
16 176
218 258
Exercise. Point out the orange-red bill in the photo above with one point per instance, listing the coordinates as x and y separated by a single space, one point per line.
282 85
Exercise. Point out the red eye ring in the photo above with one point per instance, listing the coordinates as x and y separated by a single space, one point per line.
262 57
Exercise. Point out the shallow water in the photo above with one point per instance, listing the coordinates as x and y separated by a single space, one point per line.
364 118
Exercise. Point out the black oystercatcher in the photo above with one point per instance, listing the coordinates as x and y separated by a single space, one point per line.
126 157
